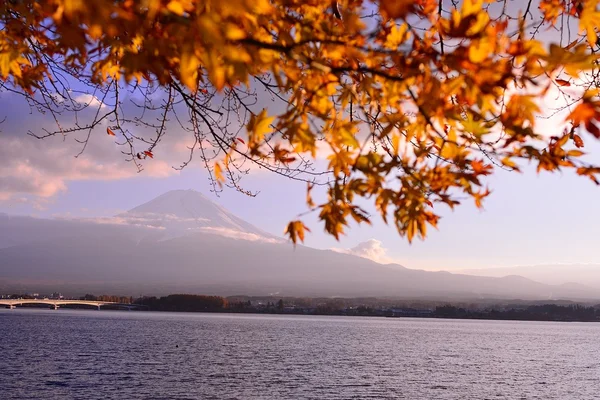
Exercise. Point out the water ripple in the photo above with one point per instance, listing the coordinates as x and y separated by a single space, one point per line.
71 354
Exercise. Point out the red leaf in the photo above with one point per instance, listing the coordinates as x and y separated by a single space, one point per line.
110 132
149 154
562 82
287 160
593 129
578 141
241 140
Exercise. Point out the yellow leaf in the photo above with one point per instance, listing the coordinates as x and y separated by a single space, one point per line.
471 7
219 177
234 32
258 126
575 153
216 70
396 36
176 7
589 20
507 162
188 67
396 144
481 22
449 146
480 49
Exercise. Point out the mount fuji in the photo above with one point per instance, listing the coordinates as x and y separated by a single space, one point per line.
183 242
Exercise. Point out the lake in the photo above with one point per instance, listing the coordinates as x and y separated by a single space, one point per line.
80 354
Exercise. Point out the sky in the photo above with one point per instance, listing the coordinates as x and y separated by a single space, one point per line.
529 219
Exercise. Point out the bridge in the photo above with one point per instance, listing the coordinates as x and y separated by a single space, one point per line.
55 303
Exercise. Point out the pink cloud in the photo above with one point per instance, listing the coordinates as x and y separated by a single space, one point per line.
44 168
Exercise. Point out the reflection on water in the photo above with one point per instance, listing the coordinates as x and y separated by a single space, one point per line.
69 354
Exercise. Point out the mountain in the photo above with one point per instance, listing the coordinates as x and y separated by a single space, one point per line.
183 242
182 212
552 274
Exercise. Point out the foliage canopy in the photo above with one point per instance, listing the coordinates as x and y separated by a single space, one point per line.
412 103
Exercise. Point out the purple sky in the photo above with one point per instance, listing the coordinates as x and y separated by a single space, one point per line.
529 219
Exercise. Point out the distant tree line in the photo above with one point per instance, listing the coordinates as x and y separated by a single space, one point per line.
184 302
200 303
109 298
533 311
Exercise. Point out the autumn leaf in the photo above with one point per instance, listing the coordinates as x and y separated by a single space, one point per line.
188 67
588 114
480 168
582 113
296 230
148 153
219 177
593 129
578 141
258 127
110 132
562 82
176 7
588 21
507 162
398 34
309 199
395 9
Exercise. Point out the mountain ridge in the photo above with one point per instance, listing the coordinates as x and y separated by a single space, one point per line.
160 246
586 274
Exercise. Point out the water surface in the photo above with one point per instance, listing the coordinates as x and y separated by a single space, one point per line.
76 354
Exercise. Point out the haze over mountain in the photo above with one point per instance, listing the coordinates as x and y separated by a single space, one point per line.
183 242
552 274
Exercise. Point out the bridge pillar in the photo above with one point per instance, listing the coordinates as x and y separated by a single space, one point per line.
12 306
54 306
98 307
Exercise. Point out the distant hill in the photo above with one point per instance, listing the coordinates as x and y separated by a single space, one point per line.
181 241
552 274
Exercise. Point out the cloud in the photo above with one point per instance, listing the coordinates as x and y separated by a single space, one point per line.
135 217
147 220
40 169
173 225
372 249
88 100
235 234
116 221
43 168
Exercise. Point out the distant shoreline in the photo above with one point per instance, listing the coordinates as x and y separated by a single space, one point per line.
538 313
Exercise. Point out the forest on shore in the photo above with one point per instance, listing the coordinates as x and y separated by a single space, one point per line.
353 307
559 310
